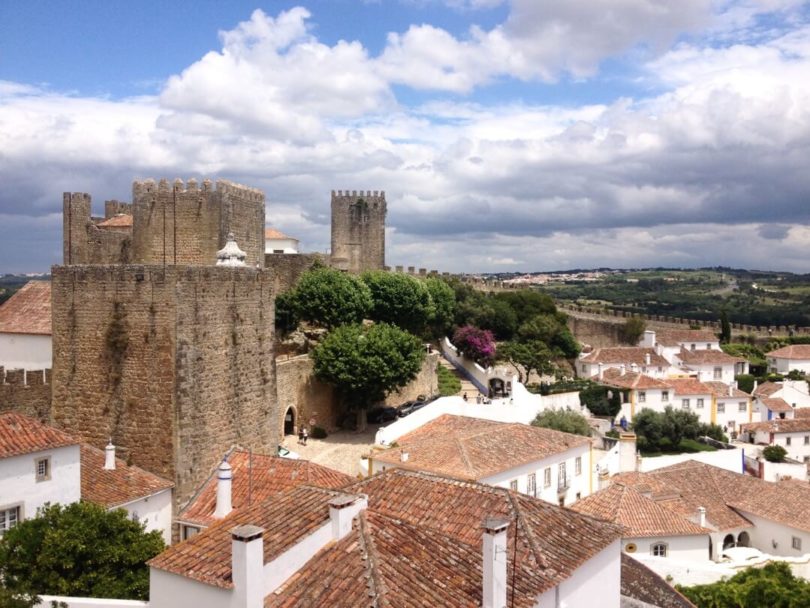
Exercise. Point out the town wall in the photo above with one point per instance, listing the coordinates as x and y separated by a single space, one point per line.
173 364
287 268
426 383
598 333
313 402
83 242
27 392
358 230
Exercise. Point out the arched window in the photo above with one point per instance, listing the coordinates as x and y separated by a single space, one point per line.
659 549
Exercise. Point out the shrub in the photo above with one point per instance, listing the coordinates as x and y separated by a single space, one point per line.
477 344
632 330
449 384
566 421
774 453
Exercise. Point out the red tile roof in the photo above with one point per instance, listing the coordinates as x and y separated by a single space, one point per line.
776 404
794 351
272 233
626 355
766 389
801 412
643 585
640 516
797 425
270 475
721 390
121 220
28 311
23 435
614 377
118 486
689 386
473 448
674 337
707 357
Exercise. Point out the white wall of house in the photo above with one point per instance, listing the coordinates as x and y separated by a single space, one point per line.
774 471
26 351
797 443
579 484
716 372
781 365
699 404
19 485
155 512
88 602
693 547
280 245
795 392
167 590
596 582
588 370
733 411
777 539
730 460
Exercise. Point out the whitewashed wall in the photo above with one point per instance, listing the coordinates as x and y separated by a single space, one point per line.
26 351
155 512
784 366
597 582
693 547
774 471
89 602
730 460
775 538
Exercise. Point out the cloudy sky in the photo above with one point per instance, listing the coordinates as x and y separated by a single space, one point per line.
507 134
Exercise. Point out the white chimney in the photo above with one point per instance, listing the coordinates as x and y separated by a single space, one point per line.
342 511
622 369
109 457
495 562
702 517
247 563
647 359
730 390
224 477
633 368
627 452
403 456
599 369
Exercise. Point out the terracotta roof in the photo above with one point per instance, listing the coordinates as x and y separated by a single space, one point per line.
123 484
23 435
794 351
776 404
674 337
28 311
766 389
271 475
720 390
419 543
707 357
689 386
786 425
801 412
642 584
272 233
121 220
613 377
640 516
626 355
472 448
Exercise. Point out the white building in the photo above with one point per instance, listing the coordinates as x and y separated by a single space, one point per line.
25 328
669 342
788 358
536 461
711 365
793 392
278 242
792 434
38 465
630 358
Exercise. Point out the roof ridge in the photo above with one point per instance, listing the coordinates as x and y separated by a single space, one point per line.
521 522
464 456
376 585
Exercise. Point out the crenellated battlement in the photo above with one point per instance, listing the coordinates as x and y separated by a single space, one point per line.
354 194
358 229
192 186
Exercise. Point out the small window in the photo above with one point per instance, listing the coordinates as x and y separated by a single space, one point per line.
718 373
642 396
742 407
721 408
531 485
699 404
685 404
278 251
547 477
513 485
42 467
9 518
578 465
787 440
659 549
190 531
796 543
693 348
807 440
664 396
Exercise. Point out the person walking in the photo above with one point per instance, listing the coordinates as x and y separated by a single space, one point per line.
301 432
305 435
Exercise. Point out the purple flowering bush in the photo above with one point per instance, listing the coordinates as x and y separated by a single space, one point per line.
477 344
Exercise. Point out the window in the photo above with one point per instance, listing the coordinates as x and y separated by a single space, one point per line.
278 251
692 348
807 440
578 465
547 477
664 396
42 466
659 549
562 481
721 408
742 407
699 404
787 440
731 424
189 531
685 404
9 518
513 485
584 368
718 373
531 485
796 543
642 396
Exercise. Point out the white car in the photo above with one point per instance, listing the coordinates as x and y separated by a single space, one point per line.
285 453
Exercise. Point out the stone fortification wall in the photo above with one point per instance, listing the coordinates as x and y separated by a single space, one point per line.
311 399
288 267
358 230
173 363
83 242
426 383
27 392
599 333
189 223
115 207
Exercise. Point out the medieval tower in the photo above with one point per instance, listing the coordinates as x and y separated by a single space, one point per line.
358 230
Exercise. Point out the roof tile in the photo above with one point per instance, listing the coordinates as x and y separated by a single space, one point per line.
28 311
118 486
23 435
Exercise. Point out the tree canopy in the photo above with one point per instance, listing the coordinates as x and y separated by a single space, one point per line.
632 330
444 306
81 550
567 421
528 357
364 364
552 330
399 299
477 344
658 431
774 453
330 298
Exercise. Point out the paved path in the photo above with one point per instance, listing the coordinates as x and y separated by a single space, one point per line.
341 450
466 386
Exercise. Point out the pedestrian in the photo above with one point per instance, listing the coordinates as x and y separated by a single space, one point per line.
305 435
301 432
464 397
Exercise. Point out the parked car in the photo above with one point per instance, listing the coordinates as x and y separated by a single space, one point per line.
410 407
285 453
379 415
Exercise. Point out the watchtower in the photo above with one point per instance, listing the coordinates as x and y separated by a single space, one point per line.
358 230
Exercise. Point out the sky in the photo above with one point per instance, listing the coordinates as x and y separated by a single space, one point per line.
508 135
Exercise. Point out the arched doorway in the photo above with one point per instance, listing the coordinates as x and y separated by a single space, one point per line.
728 541
289 421
497 388
743 540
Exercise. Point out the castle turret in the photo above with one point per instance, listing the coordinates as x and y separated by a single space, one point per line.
358 230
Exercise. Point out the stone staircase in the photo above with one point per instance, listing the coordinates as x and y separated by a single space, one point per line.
466 386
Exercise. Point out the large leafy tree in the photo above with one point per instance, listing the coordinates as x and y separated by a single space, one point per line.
330 298
659 430
364 364
567 421
551 329
444 306
528 357
399 299
81 550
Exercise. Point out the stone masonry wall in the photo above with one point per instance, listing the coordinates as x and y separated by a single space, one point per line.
28 392
358 230
83 242
288 267
311 399
426 383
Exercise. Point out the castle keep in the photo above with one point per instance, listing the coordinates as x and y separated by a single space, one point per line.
358 230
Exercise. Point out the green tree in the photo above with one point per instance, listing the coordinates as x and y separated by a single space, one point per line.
9 599
567 421
774 453
399 299
600 400
330 298
527 303
551 329
527 357
81 550
774 586
443 299
650 429
632 330
725 327
364 364
286 317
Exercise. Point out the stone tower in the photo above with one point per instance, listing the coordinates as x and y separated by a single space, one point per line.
358 230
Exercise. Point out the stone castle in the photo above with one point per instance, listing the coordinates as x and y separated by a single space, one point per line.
358 230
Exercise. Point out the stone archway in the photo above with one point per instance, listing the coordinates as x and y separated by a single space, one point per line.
289 421
743 540
728 541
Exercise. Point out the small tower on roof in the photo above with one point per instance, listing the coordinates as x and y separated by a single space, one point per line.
230 254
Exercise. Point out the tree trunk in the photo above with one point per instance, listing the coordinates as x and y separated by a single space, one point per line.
362 419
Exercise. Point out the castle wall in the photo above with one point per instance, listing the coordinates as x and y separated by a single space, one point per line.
27 392
287 268
426 383
358 230
83 242
114 207
311 399
596 332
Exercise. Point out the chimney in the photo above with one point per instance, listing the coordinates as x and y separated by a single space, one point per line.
109 457
342 511
495 562
622 369
599 369
730 390
702 517
627 452
633 368
647 359
247 563
403 456
224 476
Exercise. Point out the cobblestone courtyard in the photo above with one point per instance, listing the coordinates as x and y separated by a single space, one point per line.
341 450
